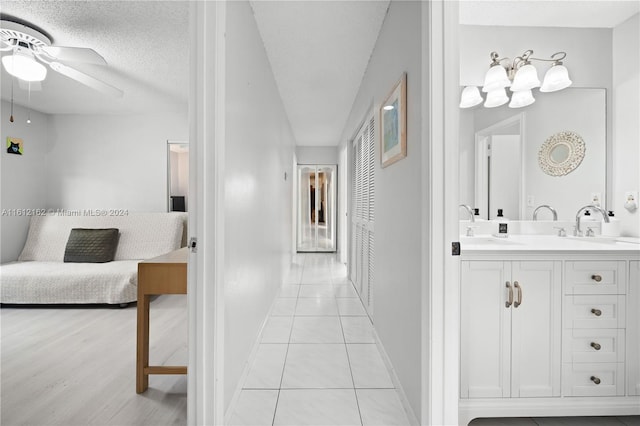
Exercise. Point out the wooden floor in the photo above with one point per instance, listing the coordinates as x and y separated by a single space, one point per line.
76 365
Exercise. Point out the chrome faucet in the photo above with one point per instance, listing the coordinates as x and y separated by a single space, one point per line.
578 232
555 214
469 210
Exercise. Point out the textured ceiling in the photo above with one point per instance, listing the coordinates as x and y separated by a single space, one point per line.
144 44
547 13
319 51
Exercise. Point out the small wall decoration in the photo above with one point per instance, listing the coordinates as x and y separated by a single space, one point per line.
393 122
561 153
14 146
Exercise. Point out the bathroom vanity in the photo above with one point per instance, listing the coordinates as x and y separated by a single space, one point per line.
550 326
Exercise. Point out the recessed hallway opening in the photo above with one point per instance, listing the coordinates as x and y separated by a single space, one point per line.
317 362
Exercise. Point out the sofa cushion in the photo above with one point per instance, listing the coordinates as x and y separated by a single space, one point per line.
142 235
91 245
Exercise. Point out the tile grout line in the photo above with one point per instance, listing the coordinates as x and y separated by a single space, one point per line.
275 409
355 393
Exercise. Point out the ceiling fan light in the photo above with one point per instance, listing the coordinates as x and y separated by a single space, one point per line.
526 78
556 78
495 98
495 78
470 97
521 99
22 65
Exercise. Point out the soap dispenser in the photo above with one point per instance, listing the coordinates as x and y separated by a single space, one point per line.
611 229
503 226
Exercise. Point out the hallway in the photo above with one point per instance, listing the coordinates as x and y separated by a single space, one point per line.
317 362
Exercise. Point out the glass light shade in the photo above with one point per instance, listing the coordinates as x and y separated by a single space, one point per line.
556 78
495 98
23 66
521 99
526 78
495 78
470 97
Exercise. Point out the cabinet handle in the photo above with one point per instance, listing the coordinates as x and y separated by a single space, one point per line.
518 302
596 312
509 302
595 380
596 278
595 346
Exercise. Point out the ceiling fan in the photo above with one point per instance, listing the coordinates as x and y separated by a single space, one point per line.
32 50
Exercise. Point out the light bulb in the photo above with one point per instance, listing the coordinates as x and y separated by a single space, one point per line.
495 98
556 78
526 78
470 97
496 78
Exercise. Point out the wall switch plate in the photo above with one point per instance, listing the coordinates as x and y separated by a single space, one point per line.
596 198
531 201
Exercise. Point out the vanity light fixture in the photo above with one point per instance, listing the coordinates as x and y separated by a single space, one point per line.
521 77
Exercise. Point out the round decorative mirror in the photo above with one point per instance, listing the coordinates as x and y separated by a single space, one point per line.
561 153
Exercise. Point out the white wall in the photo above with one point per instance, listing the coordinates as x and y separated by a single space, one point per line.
22 177
626 122
398 266
111 161
258 202
317 154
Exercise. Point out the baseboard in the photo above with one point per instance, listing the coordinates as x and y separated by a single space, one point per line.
413 420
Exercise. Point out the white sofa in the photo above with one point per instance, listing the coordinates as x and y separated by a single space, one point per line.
40 276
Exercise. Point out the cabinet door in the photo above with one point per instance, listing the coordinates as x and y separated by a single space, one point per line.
633 329
536 329
485 330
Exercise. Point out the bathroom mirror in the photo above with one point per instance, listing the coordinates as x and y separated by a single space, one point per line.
561 153
516 180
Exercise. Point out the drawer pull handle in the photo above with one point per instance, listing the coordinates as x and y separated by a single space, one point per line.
509 302
519 301
595 380
596 312
596 278
596 346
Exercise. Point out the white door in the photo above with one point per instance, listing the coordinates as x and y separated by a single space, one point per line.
363 212
536 329
485 322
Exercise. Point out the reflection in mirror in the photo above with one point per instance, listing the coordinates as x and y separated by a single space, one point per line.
577 110
177 175
560 153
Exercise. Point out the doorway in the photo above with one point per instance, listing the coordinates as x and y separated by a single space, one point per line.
316 217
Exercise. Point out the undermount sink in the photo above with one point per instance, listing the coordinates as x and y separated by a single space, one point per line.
485 239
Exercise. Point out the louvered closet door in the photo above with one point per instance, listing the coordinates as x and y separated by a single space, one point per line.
362 213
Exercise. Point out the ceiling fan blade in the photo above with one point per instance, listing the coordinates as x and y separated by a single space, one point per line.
87 80
74 54
34 86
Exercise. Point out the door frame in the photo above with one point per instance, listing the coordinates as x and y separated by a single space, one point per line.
440 178
205 286
334 205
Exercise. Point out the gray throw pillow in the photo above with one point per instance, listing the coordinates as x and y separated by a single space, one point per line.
91 245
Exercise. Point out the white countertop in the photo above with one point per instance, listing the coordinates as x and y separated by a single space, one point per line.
481 244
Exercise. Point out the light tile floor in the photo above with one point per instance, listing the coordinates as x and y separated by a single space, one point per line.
317 362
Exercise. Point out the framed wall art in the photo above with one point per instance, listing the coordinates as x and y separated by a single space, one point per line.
14 146
393 122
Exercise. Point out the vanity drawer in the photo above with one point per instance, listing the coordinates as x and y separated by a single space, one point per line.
598 379
606 311
595 277
593 345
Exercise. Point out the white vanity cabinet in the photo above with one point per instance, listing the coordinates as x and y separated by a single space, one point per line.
571 346
633 329
510 331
